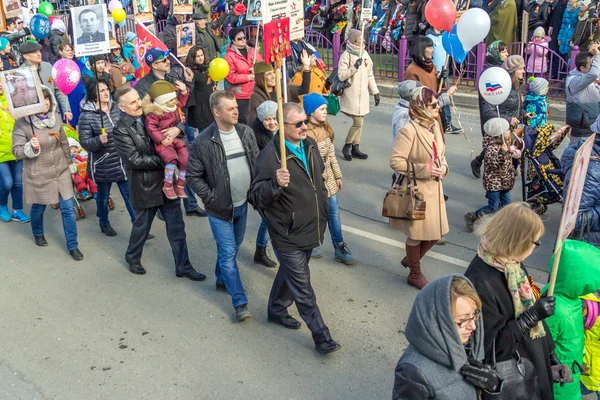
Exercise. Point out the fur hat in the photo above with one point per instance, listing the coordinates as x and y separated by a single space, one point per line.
312 101
539 86
266 109
496 127
405 87
261 67
161 92
513 63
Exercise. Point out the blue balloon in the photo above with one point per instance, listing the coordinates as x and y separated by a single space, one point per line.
39 26
453 46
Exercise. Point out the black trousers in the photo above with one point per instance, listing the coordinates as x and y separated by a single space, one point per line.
243 110
292 284
171 211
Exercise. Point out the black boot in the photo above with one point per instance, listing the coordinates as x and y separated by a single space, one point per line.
261 257
347 151
357 153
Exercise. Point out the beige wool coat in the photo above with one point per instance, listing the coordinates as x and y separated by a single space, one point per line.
414 144
355 99
46 175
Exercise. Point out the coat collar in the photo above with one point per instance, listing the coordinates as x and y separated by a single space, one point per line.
426 138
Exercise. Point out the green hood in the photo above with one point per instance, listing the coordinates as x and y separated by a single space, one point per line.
579 270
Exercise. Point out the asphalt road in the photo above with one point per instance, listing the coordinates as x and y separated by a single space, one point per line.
93 330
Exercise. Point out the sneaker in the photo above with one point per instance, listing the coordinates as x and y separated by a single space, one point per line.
86 195
19 215
316 253
453 130
242 313
4 214
343 254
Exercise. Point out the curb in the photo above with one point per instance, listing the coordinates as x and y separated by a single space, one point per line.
470 100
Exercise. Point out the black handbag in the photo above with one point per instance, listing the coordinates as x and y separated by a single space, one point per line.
337 86
519 379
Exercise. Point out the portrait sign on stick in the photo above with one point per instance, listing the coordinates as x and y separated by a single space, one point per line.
186 37
143 10
23 91
90 30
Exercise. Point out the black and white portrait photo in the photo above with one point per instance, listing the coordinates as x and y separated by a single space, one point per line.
23 91
254 12
90 30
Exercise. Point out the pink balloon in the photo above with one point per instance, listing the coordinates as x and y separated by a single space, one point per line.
114 4
441 14
66 75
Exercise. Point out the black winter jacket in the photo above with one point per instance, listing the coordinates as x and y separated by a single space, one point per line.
263 135
296 215
500 325
199 113
170 35
207 170
104 163
539 16
414 17
55 39
145 170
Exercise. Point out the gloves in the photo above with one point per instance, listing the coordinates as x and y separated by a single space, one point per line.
480 375
358 63
377 99
542 309
444 74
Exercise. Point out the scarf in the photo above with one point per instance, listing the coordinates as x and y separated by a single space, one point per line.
493 50
427 65
418 109
44 122
518 285
354 50
165 108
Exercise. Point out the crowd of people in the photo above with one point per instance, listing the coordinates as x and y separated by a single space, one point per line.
174 135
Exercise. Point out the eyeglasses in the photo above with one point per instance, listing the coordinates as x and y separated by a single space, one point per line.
241 38
465 322
298 124
537 243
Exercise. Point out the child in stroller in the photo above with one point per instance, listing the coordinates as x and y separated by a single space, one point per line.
85 187
543 179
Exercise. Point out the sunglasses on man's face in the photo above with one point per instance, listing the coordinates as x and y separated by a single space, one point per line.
298 124
162 60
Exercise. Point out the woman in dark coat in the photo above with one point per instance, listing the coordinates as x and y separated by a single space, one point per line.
199 115
105 166
511 109
513 316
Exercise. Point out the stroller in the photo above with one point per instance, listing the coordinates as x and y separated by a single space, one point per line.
541 171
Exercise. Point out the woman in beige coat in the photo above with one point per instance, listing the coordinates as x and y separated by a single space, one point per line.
356 67
40 141
420 145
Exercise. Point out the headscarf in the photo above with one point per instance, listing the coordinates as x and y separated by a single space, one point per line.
493 49
418 109
519 286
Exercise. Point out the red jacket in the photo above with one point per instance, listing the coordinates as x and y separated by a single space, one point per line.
239 69
157 119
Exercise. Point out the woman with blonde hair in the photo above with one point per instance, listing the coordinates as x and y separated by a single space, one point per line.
419 153
513 316
445 335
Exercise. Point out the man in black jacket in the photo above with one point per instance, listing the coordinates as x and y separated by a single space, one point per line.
294 203
146 177
220 171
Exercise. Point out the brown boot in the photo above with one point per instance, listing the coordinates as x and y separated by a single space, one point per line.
413 258
180 189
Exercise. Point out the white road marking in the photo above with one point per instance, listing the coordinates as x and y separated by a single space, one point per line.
395 243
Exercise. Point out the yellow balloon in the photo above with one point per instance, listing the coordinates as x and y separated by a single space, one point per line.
218 69
119 15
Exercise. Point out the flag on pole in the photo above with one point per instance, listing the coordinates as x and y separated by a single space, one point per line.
146 40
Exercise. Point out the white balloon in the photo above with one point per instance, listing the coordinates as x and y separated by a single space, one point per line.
495 85
473 26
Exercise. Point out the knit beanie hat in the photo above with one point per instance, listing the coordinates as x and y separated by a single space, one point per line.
130 37
161 92
539 31
312 101
58 25
73 143
3 43
405 87
513 63
266 109
353 36
539 86
496 127
261 67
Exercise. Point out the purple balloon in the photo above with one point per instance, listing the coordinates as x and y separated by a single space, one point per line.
66 75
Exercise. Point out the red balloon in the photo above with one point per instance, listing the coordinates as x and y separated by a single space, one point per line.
441 14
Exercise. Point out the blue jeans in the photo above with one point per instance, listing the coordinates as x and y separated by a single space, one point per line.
68 220
102 200
11 182
229 237
585 390
262 237
496 200
446 116
335 225
190 204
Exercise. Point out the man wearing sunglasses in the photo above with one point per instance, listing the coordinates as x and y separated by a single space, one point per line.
294 202
15 33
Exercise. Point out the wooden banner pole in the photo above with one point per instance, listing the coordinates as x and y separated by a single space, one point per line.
555 264
280 118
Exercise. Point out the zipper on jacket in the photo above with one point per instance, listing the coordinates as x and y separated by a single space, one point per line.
212 138
312 161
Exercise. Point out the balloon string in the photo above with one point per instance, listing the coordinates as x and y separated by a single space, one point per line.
456 112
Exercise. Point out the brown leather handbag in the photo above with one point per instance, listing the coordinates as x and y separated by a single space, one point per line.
404 202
